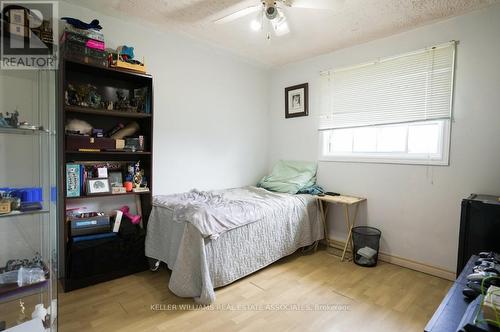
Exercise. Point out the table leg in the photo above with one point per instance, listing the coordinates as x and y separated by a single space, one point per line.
353 224
350 225
324 212
349 229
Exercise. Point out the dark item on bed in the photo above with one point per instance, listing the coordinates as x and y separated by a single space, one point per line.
297 101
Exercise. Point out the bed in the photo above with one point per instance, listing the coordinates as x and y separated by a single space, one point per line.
210 239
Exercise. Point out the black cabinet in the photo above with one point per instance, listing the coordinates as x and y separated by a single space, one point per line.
479 227
94 261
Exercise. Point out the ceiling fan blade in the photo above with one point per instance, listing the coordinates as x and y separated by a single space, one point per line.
238 14
315 4
280 25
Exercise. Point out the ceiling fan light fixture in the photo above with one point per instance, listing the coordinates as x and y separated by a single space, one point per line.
255 25
271 12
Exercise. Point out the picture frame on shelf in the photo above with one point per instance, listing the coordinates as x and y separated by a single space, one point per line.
98 186
297 101
116 179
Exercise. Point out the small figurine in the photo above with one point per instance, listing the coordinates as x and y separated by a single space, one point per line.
12 118
93 98
130 176
71 96
22 314
138 175
109 105
125 52
122 102
3 121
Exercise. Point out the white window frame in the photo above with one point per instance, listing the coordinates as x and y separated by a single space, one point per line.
441 158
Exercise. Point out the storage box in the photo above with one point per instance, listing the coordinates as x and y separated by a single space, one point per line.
90 33
92 225
77 143
71 39
84 49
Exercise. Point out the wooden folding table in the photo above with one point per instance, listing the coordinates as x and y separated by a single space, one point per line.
346 201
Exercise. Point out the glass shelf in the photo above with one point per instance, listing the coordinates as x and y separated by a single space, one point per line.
21 131
15 292
20 214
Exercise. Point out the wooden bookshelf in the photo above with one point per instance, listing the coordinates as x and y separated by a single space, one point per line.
105 80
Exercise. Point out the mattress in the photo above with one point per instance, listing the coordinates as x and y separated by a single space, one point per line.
201 263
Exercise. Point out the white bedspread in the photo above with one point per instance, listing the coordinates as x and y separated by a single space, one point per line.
216 212
208 248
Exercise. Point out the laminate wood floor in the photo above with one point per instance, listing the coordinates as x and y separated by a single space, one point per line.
315 292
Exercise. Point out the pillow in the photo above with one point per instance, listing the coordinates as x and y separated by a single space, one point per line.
290 176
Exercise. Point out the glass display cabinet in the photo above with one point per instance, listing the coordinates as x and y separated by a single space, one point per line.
28 204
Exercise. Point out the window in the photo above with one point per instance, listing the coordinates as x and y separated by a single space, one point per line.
395 110
423 142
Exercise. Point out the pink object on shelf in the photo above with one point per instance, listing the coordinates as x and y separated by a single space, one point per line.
95 44
134 219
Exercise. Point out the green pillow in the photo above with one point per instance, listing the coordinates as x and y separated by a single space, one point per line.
290 176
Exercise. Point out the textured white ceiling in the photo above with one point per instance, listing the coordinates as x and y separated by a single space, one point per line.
313 32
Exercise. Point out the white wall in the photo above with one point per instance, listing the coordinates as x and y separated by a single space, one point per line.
416 207
211 107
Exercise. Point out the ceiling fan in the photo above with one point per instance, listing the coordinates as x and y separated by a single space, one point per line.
270 13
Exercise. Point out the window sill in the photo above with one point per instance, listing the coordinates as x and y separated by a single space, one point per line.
399 161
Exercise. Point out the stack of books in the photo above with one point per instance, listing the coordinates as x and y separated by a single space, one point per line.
85 46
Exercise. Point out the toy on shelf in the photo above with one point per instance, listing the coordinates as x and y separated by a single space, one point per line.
123 58
139 180
20 199
134 219
11 120
84 95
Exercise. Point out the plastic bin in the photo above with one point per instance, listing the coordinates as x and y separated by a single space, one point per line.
366 245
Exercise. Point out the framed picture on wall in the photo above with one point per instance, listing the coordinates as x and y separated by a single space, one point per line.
297 101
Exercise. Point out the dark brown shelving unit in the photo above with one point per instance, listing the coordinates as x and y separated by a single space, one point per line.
107 81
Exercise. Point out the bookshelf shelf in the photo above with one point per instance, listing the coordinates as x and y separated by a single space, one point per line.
103 112
109 195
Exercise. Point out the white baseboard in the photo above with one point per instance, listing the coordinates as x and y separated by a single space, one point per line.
404 262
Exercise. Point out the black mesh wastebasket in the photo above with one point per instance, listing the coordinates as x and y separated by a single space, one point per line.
366 244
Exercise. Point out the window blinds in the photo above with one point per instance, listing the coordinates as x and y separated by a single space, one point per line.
412 87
